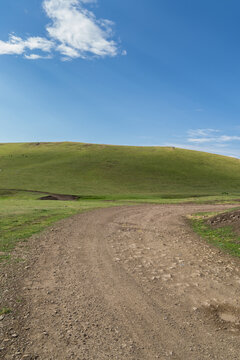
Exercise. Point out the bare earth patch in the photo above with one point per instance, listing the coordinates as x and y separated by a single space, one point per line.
122 283
231 218
59 197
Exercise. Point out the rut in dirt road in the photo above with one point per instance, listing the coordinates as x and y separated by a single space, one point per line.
130 283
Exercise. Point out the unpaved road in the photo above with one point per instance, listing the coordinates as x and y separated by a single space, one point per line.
126 283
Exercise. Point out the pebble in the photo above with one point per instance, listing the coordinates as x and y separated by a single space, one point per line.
6 340
14 335
2 317
167 277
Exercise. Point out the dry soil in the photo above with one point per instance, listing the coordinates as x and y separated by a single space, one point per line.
123 283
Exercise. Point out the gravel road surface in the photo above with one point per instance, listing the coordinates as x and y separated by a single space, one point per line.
125 283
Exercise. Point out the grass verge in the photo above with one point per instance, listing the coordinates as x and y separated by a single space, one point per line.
224 237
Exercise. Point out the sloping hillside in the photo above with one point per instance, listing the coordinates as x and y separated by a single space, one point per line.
85 169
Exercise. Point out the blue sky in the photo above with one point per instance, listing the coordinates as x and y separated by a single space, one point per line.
121 72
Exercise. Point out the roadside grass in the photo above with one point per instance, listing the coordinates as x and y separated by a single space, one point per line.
224 237
16 227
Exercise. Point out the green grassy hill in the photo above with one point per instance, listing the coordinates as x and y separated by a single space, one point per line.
84 169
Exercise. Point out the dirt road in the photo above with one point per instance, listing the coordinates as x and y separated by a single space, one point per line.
127 283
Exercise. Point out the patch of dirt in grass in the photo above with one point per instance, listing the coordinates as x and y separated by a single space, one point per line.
47 195
226 219
60 197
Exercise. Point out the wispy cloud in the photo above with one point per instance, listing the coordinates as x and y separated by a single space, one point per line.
74 32
36 56
210 140
222 150
202 132
17 45
201 136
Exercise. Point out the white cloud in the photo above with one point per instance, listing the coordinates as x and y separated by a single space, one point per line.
232 152
200 140
211 140
74 32
13 46
36 56
16 45
229 138
201 136
68 51
77 28
202 132
39 43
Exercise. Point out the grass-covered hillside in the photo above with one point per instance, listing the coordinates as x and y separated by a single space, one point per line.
84 169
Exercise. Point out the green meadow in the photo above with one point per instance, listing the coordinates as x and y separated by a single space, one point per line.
102 176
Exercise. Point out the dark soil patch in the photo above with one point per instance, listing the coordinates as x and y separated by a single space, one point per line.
60 197
47 195
226 219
